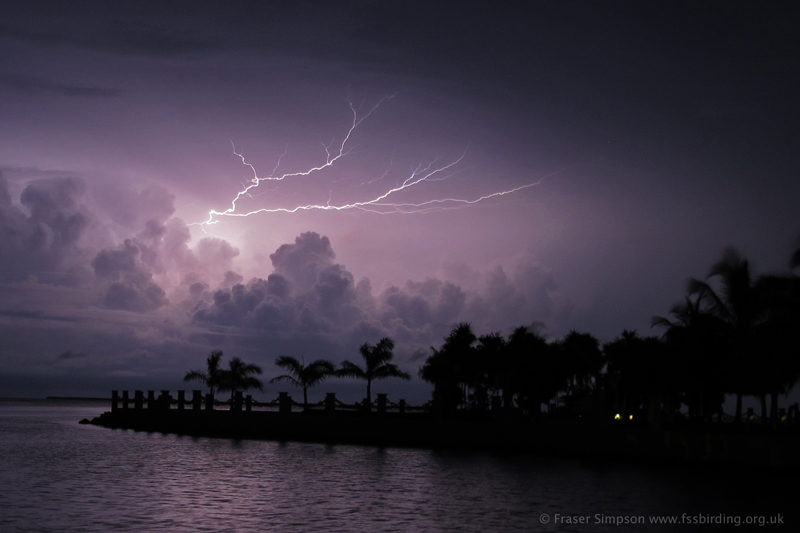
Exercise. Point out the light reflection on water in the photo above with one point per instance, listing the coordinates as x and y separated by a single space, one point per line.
60 476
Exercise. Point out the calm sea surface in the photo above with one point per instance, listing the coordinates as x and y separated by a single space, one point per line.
57 475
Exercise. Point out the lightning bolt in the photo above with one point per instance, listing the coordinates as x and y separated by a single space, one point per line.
380 204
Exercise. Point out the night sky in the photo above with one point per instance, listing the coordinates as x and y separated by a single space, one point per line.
639 139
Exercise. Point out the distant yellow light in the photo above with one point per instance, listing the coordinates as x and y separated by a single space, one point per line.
617 417
630 417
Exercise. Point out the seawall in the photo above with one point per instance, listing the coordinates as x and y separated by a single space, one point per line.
732 446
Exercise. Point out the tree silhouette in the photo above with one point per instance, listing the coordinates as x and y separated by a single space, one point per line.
485 371
534 372
637 373
583 360
739 304
377 365
240 376
211 376
777 338
448 368
697 363
303 376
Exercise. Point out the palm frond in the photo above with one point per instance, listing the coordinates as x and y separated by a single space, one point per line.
352 370
286 377
390 371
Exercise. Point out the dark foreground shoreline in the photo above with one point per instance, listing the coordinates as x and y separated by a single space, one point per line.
595 441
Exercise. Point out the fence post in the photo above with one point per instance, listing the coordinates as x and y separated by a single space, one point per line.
381 403
138 399
402 406
197 400
181 399
125 399
151 399
330 402
114 400
284 403
248 402
210 401
164 400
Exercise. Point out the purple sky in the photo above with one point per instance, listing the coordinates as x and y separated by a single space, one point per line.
656 134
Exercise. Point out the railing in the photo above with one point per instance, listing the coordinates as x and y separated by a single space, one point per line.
239 402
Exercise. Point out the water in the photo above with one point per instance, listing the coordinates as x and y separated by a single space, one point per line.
57 475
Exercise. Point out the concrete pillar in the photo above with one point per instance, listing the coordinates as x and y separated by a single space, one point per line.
151 399
248 403
138 399
114 400
402 406
164 400
330 402
284 403
381 403
125 399
181 399
209 402
197 400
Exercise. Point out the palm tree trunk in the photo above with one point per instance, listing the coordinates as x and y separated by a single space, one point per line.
764 416
305 398
369 394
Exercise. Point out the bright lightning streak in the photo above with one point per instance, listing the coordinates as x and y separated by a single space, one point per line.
378 204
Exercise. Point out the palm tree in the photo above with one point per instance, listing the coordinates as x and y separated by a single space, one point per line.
583 361
533 372
212 376
739 304
377 359
240 376
303 376
449 368
696 361
636 374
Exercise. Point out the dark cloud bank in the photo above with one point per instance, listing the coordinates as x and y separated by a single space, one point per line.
155 298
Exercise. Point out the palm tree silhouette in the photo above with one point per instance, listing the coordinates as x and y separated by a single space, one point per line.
533 371
303 376
211 376
583 360
240 376
696 357
739 304
448 368
377 359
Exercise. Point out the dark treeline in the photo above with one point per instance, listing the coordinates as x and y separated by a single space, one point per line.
741 338
733 334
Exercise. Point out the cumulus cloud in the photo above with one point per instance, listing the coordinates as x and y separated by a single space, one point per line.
308 292
130 285
129 270
41 236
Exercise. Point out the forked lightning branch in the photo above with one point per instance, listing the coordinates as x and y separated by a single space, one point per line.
383 203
